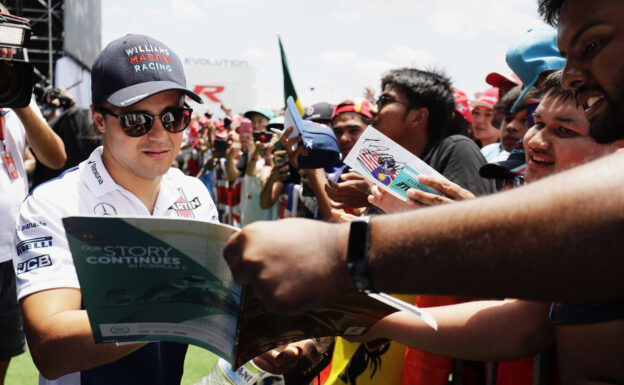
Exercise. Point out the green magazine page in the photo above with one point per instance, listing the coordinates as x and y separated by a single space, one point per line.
165 279
156 279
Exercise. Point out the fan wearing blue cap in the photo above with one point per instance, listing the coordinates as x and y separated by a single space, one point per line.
533 56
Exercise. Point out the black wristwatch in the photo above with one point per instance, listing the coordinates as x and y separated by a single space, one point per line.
357 254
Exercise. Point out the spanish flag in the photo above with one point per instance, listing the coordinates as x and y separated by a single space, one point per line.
289 87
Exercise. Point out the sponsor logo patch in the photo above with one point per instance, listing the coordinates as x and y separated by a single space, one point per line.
185 208
104 209
34 263
95 172
33 243
30 225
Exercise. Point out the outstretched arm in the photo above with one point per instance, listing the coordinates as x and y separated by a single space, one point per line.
476 331
565 228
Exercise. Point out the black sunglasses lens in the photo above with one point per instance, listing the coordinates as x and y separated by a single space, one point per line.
136 123
381 102
176 120
170 120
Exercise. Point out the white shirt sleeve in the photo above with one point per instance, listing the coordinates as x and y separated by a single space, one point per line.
42 259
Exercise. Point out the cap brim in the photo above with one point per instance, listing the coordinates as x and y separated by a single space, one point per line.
134 94
476 103
525 90
499 81
504 169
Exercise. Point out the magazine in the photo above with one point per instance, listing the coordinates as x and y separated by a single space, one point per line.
164 279
389 165
292 118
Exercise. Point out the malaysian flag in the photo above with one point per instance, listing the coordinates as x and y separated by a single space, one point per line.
381 167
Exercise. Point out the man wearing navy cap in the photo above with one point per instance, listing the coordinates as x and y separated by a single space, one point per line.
138 90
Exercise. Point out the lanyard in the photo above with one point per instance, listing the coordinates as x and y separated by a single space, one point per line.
6 156
2 129
3 112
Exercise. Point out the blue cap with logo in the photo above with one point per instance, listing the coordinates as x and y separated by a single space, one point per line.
320 146
534 53
135 67
514 165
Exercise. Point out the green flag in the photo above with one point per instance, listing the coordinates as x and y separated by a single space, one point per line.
289 87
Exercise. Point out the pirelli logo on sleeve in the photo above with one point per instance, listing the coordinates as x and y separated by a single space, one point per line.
33 243
34 264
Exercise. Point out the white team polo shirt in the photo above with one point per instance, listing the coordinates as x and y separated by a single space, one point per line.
42 258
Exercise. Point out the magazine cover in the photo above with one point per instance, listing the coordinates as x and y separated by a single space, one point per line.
388 165
165 279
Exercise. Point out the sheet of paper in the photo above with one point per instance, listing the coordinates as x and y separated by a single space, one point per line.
388 165
404 306
292 118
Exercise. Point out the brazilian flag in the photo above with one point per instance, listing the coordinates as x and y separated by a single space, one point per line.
289 87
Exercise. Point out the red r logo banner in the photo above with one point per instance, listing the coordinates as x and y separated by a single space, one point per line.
209 91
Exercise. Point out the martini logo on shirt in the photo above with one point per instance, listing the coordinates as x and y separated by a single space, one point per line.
185 208
33 243
34 263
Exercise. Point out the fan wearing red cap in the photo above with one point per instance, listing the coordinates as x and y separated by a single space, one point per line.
349 119
483 128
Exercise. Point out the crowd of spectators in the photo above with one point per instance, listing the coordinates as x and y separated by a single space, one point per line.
521 128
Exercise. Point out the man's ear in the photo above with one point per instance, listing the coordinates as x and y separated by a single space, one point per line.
419 116
98 120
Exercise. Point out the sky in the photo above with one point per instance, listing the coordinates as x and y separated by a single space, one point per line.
335 48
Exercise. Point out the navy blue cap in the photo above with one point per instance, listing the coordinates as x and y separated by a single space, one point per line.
320 146
513 166
135 67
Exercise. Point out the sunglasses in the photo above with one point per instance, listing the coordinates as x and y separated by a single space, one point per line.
384 100
139 123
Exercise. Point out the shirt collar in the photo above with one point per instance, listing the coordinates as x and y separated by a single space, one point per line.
94 175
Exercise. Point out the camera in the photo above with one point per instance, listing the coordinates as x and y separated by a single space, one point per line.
16 76
262 136
49 97
220 145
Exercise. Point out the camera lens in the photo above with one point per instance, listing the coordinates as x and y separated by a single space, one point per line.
8 80
16 83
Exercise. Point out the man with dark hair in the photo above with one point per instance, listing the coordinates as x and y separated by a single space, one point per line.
423 90
512 129
349 119
456 249
138 106
549 10
414 109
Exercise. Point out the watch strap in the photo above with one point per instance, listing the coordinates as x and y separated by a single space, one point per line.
357 253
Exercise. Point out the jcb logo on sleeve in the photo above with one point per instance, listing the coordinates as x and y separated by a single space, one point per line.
34 263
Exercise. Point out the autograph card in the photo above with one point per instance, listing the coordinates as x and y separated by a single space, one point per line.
388 165
292 118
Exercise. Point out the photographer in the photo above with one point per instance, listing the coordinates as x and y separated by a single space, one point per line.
21 124
257 170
